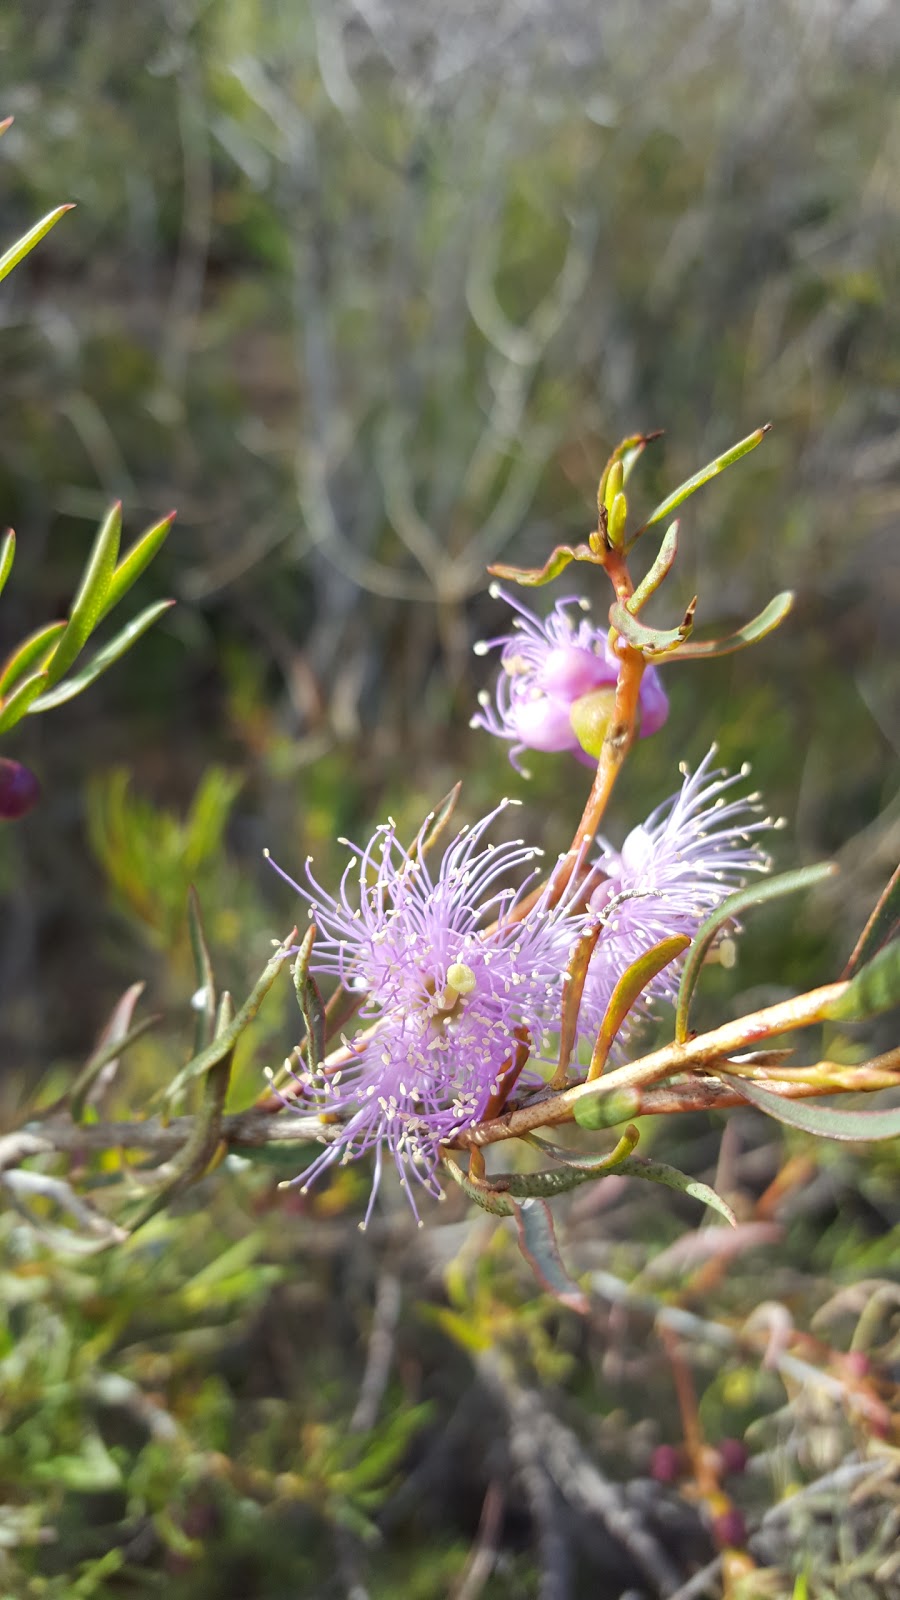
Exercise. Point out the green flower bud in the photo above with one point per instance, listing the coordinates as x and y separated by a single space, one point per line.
590 718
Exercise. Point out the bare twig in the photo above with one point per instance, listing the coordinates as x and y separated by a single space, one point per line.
380 1353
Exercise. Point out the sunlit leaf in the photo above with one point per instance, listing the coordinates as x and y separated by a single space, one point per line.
225 1042
711 470
29 656
135 560
204 999
755 894
662 565
882 925
21 700
660 1172
94 1470
874 988
87 607
310 1002
202 1143
18 251
629 452
827 1122
757 628
650 641
537 1242
532 577
436 822
104 658
573 988
7 556
628 990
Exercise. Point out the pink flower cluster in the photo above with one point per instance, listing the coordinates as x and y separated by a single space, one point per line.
454 987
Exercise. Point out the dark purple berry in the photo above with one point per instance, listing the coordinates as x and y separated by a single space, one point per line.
19 789
732 1455
729 1529
666 1464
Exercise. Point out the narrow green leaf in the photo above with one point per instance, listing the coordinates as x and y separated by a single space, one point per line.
537 1242
29 656
752 631
650 641
87 607
734 906
21 700
660 1172
629 452
497 1204
711 470
310 1002
435 824
662 566
204 1000
874 988
826 1122
18 251
104 658
591 1164
568 1175
112 1045
134 562
532 577
225 1042
628 990
7 556
882 925
202 1143
573 988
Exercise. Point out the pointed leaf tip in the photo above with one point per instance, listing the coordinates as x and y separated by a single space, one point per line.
823 1121
768 619
731 908
7 556
18 251
87 606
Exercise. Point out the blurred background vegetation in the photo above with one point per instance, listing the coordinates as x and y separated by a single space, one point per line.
367 291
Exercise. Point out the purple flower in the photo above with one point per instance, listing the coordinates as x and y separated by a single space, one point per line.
546 667
447 1003
674 870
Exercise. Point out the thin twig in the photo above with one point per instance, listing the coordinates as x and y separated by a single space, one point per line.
379 1355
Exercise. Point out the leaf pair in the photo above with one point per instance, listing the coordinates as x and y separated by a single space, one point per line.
36 676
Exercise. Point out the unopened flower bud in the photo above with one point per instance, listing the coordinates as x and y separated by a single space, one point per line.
549 664
590 717
19 790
